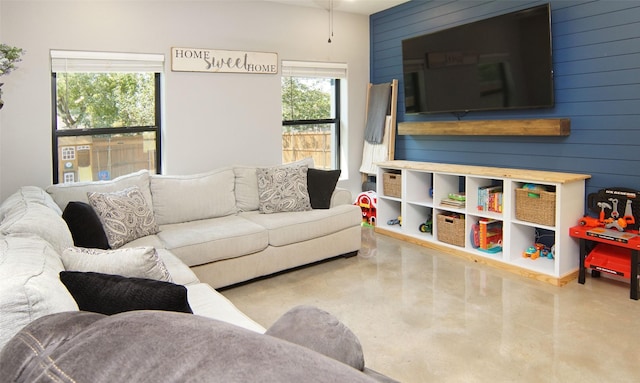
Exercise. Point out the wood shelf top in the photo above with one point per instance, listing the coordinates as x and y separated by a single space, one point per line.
487 171
529 127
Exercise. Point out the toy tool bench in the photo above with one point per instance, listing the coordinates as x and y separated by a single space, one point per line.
610 243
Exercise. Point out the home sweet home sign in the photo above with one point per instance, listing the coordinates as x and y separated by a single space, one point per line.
223 61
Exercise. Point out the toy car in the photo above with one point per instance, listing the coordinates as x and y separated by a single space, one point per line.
531 252
396 221
427 226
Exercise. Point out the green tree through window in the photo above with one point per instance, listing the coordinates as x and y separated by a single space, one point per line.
103 100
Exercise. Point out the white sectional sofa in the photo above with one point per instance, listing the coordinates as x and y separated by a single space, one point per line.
212 223
210 234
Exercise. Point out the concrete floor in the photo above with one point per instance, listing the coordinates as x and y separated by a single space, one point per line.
424 316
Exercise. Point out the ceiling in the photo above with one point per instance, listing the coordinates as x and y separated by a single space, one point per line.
364 7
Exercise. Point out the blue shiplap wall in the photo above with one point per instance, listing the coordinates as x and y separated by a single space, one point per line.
596 55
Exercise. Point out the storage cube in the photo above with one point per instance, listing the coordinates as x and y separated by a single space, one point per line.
451 229
392 184
537 206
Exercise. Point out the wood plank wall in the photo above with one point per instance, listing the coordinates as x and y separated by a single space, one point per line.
596 55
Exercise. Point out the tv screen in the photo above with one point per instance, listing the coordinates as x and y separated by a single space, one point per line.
503 62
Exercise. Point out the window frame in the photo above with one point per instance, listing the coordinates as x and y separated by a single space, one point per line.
335 121
112 60
327 70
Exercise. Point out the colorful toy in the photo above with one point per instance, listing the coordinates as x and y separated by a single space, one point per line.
604 204
368 202
531 252
538 250
395 221
427 226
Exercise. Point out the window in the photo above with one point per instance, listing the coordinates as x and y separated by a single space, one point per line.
311 112
106 114
68 152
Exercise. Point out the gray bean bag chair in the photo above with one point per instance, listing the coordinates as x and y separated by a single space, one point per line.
161 346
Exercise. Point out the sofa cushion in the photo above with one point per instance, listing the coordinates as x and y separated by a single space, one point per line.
283 189
188 198
287 228
139 262
168 347
29 283
210 240
85 225
321 184
77 191
206 301
111 294
40 220
125 215
28 194
179 271
320 331
246 188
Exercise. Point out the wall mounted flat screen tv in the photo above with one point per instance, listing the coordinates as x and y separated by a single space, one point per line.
503 62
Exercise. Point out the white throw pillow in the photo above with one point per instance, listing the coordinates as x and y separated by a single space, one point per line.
125 215
131 262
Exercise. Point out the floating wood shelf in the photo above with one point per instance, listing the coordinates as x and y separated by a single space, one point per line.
534 127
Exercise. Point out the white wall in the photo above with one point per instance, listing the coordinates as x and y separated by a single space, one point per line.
210 119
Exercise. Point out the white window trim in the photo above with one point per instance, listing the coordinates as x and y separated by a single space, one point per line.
99 62
314 69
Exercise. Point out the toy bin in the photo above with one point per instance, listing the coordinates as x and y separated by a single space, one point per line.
451 229
537 206
392 184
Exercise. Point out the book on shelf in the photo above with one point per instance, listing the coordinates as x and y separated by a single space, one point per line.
490 198
452 202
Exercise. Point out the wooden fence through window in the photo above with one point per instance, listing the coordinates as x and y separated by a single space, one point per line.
299 145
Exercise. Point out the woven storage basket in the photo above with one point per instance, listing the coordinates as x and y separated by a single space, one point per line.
536 206
391 183
451 230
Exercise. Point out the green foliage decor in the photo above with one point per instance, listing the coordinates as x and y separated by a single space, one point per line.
9 56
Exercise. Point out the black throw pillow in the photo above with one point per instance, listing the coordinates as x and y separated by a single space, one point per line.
321 184
85 226
112 294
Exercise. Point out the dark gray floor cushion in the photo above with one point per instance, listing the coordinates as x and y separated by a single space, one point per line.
157 346
320 331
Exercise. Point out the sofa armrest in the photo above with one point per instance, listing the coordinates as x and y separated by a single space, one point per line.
341 196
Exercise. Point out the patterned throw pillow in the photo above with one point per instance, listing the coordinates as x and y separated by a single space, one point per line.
135 262
283 189
125 215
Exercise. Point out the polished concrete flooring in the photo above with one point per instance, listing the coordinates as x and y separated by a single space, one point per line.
424 316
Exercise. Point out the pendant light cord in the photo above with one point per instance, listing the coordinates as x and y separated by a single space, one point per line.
330 21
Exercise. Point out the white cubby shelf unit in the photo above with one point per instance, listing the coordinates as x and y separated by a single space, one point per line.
425 184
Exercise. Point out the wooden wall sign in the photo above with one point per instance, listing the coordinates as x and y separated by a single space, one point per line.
223 61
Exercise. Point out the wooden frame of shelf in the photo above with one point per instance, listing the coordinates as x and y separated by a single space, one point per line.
425 184
533 127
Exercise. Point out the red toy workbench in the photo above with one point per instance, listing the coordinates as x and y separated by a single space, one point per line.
620 247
